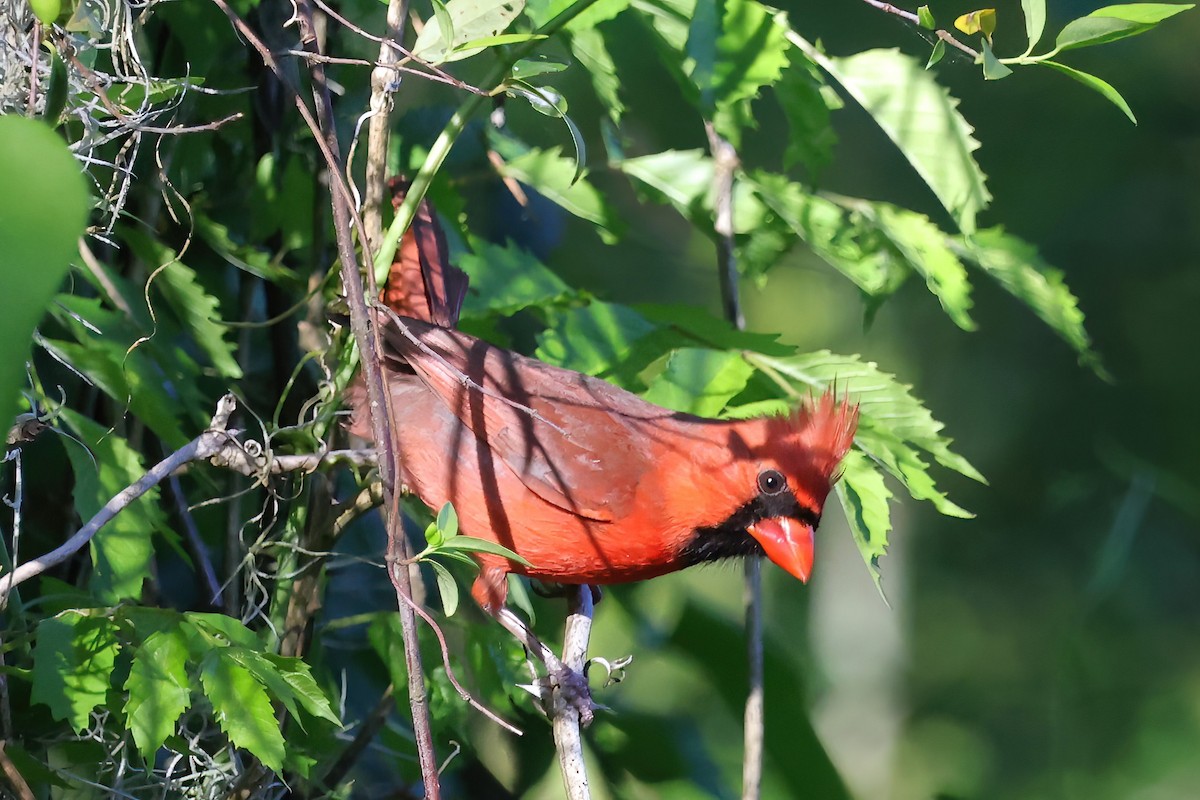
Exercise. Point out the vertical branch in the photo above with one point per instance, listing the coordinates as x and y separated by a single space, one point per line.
568 740
383 82
325 132
726 162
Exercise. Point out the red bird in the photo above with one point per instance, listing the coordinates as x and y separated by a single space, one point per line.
588 482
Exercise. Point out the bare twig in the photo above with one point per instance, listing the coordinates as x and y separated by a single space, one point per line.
196 543
384 82
726 163
565 717
14 776
942 34
203 446
381 425
370 726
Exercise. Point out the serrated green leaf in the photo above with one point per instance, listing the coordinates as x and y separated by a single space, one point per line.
265 673
1017 267
683 177
298 676
73 662
923 121
472 20
751 52
42 216
1035 21
242 708
506 279
993 70
447 588
805 99
893 424
224 629
1104 88
123 550
927 251
699 381
198 311
591 339
447 521
864 498
555 178
159 690
469 544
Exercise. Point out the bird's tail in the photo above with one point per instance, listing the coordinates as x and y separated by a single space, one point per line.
422 283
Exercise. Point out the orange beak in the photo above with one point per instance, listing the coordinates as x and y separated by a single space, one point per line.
787 542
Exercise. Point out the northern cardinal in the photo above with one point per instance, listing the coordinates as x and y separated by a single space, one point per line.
588 482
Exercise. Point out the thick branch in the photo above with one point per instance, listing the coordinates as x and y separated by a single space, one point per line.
567 738
383 83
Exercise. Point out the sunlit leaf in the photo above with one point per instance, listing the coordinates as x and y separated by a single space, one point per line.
242 708
554 176
42 215
298 676
936 54
924 122
506 279
1099 85
1111 23
806 101
123 550
1035 21
590 50
73 665
527 68
159 690
981 21
1017 266
469 544
864 498
472 20
699 381
925 18
447 521
591 339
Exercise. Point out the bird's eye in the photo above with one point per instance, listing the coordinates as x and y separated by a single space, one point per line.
770 481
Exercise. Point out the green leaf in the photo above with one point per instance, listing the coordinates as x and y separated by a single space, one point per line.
591 339
555 177
923 121
1096 84
73 662
1143 13
40 226
123 551
806 101
683 177
472 20
224 629
447 521
199 311
445 25
266 674
541 12
751 52
589 49
993 70
469 544
699 381
299 678
527 68
936 54
1019 269
927 251
242 708
864 498
1035 21
1114 22
893 424
447 588
925 18
159 690
506 279
475 45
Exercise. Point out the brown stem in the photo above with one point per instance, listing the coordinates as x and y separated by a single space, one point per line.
909 16
725 166
382 89
568 740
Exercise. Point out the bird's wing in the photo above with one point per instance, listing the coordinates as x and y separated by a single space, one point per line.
576 441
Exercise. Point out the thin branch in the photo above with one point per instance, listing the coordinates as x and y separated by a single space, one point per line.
566 723
726 164
203 446
368 343
196 543
367 731
384 83
909 16
14 776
